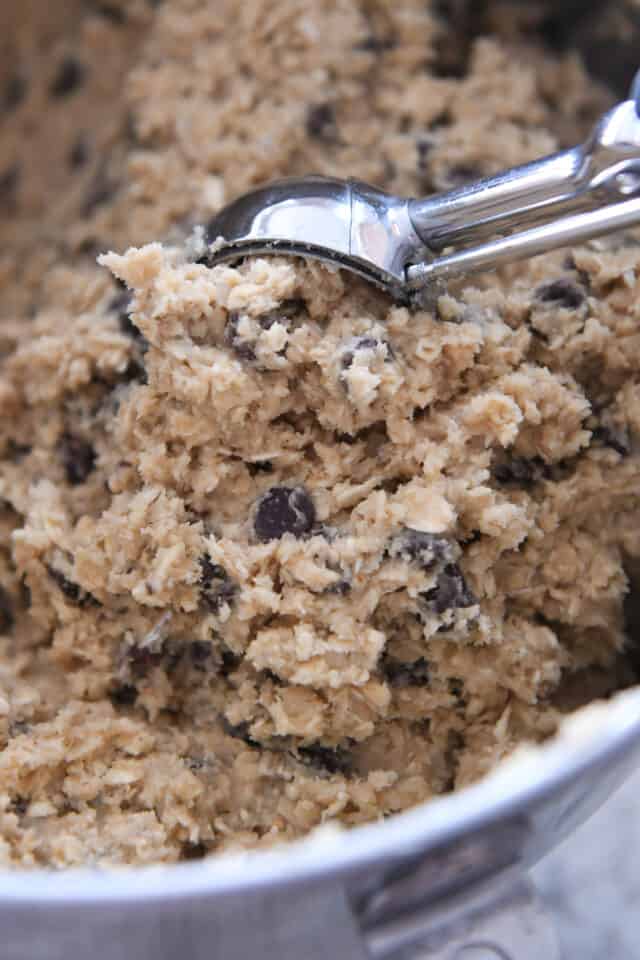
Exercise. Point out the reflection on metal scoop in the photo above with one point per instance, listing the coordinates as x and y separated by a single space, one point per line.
567 198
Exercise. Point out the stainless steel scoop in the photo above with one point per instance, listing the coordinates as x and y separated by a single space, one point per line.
403 245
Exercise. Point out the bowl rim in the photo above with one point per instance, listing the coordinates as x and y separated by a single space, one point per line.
598 735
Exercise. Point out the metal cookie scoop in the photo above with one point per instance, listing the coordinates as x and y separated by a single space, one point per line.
566 198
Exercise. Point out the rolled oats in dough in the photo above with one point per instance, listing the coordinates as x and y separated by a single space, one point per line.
275 551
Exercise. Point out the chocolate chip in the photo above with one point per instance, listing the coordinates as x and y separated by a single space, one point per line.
79 154
17 451
461 22
321 121
6 612
519 472
217 588
561 293
101 190
14 93
459 176
284 510
617 440
455 687
450 592
18 728
73 592
259 466
424 146
229 662
123 696
341 587
283 314
78 458
142 660
377 44
199 652
9 180
332 759
423 549
69 77
114 14
19 805
193 851
399 674
239 731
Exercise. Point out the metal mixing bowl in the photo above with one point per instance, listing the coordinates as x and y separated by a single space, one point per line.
449 876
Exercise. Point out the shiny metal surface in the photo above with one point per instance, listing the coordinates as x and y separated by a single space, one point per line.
375 891
567 198
343 222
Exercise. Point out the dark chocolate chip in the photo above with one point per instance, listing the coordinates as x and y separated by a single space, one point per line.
460 175
124 695
519 472
377 44
14 93
239 731
19 805
456 686
341 587
142 660
399 674
199 652
79 153
78 458
424 146
69 77
217 587
321 121
172 653
114 14
6 611
617 440
283 314
101 190
450 592
193 851
135 372
9 180
424 549
284 510
259 466
562 293
332 759
461 21
230 662
17 451
73 592
18 728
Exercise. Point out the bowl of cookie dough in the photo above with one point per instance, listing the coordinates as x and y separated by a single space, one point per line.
317 612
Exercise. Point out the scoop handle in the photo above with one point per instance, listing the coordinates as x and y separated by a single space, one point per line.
564 198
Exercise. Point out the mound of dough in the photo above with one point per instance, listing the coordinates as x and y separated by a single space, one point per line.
275 551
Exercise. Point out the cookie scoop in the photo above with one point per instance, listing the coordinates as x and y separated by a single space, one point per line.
404 245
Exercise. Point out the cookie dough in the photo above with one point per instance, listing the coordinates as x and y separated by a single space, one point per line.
275 551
